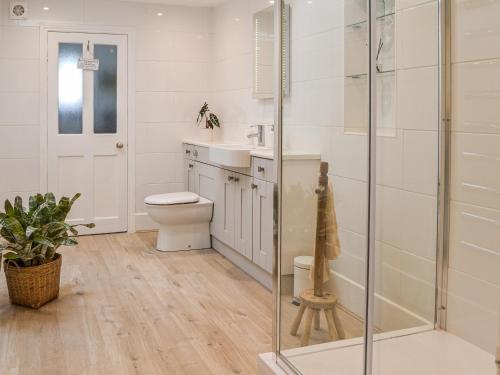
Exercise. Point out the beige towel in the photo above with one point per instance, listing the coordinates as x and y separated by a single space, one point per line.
332 233
332 250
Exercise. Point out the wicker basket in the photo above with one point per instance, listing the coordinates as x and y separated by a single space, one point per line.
33 286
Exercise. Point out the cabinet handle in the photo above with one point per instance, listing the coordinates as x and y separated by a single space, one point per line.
191 166
260 169
188 152
230 178
254 186
236 179
195 153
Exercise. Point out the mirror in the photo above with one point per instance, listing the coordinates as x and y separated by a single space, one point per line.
263 24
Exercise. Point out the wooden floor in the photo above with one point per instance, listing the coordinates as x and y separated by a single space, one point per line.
125 308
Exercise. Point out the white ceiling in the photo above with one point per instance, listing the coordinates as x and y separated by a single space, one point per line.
191 3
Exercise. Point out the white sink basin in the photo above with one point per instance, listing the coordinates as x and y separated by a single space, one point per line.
236 156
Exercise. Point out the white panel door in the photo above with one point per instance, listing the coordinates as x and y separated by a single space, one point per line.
263 224
87 127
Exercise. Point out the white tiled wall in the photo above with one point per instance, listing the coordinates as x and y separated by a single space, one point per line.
19 111
232 70
474 283
173 55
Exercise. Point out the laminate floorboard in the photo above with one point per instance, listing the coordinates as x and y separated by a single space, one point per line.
125 308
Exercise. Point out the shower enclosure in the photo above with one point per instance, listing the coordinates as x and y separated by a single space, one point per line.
397 97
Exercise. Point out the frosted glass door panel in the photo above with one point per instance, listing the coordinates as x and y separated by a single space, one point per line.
105 89
70 89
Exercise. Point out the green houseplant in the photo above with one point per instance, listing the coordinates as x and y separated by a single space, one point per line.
211 119
31 237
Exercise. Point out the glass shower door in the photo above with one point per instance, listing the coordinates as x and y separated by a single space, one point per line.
324 126
407 180
388 148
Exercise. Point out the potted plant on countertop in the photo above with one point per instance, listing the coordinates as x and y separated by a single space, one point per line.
211 120
31 238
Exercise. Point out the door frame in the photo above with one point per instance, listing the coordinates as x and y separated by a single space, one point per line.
45 29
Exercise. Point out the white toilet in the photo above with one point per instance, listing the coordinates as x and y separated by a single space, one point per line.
184 220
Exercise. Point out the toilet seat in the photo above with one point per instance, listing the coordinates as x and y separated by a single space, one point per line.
172 199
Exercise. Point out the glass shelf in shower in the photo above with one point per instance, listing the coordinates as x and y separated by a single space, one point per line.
365 74
361 23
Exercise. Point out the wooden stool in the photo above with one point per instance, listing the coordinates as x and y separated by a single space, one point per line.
314 305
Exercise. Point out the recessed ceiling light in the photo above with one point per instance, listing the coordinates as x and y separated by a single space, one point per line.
46 8
310 2
271 1
159 14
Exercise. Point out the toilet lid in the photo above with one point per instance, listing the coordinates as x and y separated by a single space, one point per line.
172 198
304 262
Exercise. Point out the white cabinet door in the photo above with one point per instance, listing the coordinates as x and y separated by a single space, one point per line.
243 215
205 182
189 172
223 228
263 224
205 179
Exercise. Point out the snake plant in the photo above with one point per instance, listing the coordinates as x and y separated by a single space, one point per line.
33 235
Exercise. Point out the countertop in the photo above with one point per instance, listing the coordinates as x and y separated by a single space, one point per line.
264 153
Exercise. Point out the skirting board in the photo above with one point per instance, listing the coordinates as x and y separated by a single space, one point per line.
245 264
144 222
268 366
389 316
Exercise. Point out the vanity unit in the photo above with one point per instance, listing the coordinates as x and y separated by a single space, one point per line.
242 223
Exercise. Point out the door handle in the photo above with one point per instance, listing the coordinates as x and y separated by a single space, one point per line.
260 169
119 145
254 186
230 178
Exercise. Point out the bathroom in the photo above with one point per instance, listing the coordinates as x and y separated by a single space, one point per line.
205 229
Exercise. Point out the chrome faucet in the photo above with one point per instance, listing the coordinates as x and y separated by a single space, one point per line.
260 135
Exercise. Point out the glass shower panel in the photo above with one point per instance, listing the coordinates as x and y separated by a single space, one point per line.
105 89
70 89
407 180
324 125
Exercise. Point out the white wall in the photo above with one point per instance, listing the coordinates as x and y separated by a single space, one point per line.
474 279
19 113
173 54
232 71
